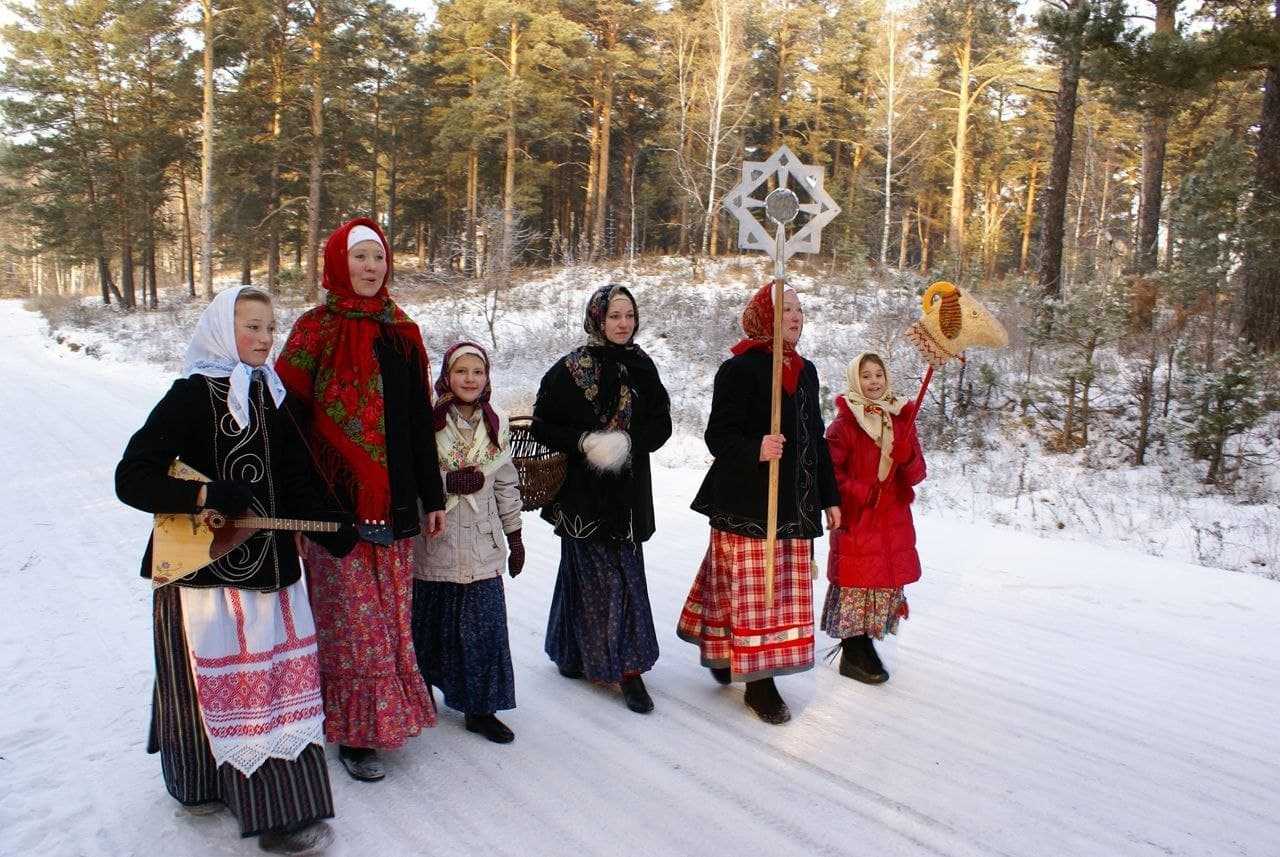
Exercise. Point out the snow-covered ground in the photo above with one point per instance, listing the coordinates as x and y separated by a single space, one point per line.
1048 697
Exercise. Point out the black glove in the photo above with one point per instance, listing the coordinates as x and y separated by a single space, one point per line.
338 544
228 497
515 545
467 480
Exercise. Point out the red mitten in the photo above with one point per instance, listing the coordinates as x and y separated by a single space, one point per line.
515 545
904 442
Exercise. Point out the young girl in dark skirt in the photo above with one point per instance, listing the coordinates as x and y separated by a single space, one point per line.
459 609
236 715
604 405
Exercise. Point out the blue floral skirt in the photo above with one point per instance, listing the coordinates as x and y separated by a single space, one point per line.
460 635
601 623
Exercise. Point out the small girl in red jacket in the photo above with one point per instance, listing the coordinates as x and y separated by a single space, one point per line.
877 459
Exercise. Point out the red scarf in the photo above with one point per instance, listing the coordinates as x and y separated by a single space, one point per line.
329 364
757 324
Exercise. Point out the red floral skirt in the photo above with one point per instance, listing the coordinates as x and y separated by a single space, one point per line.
374 695
725 615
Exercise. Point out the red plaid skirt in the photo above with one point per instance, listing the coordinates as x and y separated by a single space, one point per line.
726 617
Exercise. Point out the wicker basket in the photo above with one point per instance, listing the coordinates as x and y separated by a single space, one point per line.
541 469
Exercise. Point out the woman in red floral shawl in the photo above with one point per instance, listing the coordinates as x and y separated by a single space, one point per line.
358 363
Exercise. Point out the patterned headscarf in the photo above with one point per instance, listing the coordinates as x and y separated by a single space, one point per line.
874 415
444 394
757 324
600 368
598 309
329 363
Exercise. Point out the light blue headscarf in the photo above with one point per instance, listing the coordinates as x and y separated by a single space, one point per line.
213 353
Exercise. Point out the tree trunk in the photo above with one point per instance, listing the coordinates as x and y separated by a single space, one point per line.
206 158
471 254
277 112
393 176
1028 213
629 176
923 212
779 84
149 264
509 176
964 60
1053 222
593 166
375 142
1079 221
724 46
902 238
1146 403
888 142
1101 226
318 37
1261 268
189 255
602 173
1155 137
126 262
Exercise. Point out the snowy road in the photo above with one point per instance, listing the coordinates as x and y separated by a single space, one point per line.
1047 698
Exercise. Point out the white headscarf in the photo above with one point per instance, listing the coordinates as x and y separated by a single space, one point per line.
362 233
213 353
872 414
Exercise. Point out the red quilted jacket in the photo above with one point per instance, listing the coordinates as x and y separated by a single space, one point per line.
875 546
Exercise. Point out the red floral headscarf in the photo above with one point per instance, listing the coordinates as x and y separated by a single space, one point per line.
329 364
757 324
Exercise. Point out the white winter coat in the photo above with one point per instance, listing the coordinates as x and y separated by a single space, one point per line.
473 546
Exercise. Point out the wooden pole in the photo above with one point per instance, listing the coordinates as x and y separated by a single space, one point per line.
924 386
775 413
775 426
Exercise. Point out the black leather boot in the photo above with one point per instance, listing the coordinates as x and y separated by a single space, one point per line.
361 763
763 698
859 661
637 697
721 674
314 838
490 727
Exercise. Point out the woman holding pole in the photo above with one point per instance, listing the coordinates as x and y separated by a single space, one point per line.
770 482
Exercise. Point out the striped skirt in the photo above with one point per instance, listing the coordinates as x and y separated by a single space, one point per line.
726 617
280 795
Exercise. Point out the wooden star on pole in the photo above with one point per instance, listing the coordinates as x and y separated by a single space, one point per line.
781 206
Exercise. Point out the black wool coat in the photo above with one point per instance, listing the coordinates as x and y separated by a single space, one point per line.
192 423
590 504
734 494
413 464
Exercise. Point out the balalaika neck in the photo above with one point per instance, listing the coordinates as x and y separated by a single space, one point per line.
286 524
